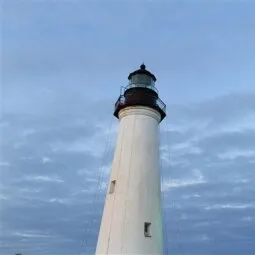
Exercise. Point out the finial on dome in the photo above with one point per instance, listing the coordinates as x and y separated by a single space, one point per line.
143 67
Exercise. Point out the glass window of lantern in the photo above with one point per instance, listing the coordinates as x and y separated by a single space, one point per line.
141 79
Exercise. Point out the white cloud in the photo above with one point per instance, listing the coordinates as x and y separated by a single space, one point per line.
172 152
93 145
240 180
59 201
179 183
84 172
236 153
101 171
3 197
191 196
108 128
184 125
246 123
92 180
183 149
4 163
169 160
230 206
32 234
4 124
19 144
46 160
204 237
87 146
248 218
44 178
30 190
90 190
105 170
27 132
27 157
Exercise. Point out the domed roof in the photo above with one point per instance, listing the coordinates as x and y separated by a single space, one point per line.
142 70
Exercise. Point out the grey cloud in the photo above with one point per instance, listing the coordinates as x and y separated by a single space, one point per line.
54 136
205 188
44 184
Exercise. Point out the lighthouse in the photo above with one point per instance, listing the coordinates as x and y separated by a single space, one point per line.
132 217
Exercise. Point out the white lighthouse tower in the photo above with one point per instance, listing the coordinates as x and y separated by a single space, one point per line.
132 217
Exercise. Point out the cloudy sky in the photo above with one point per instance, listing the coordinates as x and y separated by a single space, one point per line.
63 63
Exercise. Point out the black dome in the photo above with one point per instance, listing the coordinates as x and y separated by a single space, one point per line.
142 70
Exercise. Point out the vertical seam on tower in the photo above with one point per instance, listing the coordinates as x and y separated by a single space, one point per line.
114 195
130 162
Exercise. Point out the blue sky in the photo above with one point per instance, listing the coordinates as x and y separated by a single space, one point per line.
63 63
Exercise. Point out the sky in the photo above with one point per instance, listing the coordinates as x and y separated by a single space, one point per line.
62 66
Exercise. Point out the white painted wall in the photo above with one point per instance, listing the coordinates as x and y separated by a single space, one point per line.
136 198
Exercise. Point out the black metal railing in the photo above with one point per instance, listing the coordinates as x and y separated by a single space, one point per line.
140 85
145 100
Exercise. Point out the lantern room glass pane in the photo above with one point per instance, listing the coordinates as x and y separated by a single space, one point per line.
141 79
